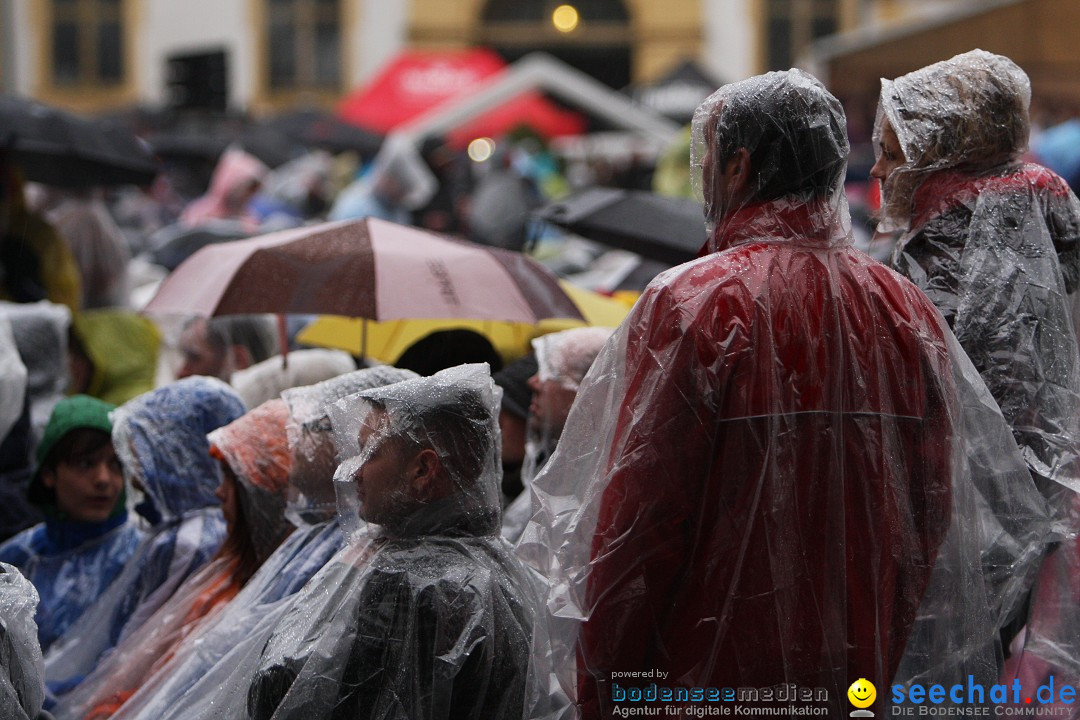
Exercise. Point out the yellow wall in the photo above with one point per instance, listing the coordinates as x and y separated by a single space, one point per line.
661 33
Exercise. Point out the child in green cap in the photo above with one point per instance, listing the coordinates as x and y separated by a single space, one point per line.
86 538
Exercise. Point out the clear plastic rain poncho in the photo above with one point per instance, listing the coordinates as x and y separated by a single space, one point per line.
22 685
994 243
41 334
426 614
562 358
161 439
12 379
224 652
781 470
255 448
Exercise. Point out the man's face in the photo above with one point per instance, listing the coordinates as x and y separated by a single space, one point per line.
381 482
551 402
87 485
314 460
512 429
199 356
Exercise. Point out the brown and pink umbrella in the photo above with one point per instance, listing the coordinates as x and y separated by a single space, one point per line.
366 268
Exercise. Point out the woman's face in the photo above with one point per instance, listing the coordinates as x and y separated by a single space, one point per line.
226 493
890 154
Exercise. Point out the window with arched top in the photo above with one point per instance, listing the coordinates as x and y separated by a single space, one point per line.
791 25
303 45
592 35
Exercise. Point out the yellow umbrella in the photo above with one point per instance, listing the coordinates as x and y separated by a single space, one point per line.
386 341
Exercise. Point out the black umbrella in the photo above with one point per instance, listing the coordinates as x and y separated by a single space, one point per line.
671 230
59 148
188 146
320 129
173 244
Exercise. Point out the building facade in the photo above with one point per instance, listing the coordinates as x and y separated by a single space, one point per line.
262 55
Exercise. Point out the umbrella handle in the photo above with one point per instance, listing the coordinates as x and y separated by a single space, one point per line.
283 341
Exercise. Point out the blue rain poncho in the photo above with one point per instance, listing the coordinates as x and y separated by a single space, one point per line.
71 562
161 439
228 647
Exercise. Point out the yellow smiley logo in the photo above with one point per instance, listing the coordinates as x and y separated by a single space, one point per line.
862 693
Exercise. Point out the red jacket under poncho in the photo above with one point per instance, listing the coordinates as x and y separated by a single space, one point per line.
779 482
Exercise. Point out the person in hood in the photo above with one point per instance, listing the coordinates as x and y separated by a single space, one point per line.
35 262
86 538
255 461
994 242
562 361
757 480
161 439
426 614
202 676
237 178
112 354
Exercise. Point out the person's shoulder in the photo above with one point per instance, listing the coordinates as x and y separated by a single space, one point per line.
716 270
18 549
1042 178
443 561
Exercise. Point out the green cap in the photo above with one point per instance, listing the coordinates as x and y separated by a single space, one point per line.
73 413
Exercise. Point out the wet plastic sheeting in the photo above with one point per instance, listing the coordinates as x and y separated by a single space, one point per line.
222 656
255 447
994 243
41 331
22 688
782 468
426 613
311 497
160 437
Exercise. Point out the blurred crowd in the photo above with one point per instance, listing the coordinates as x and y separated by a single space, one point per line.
790 464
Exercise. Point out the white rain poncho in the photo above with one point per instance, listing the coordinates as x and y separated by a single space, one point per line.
160 437
426 614
781 471
994 243
265 380
22 685
562 360
222 655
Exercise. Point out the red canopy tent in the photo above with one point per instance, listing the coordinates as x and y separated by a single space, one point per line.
416 82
